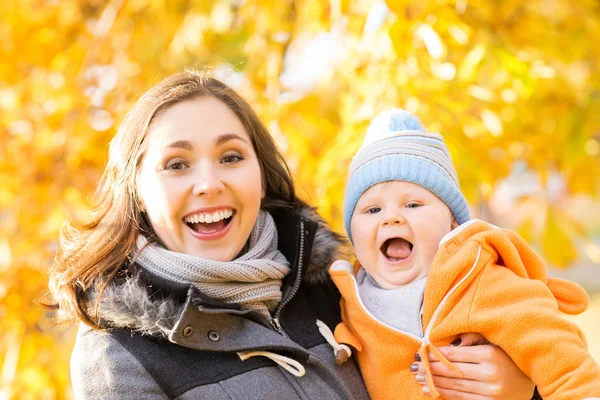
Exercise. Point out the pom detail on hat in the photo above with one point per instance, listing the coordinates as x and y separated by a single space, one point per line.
397 120
391 122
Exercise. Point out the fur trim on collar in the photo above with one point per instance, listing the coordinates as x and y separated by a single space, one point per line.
327 247
127 303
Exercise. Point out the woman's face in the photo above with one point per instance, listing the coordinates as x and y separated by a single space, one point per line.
199 181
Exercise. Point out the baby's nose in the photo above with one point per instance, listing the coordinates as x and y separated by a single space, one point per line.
394 218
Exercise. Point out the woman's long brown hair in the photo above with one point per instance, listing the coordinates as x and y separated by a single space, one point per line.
92 253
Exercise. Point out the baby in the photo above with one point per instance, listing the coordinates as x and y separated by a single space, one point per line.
427 273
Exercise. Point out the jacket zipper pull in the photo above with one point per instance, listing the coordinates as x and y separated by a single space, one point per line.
276 325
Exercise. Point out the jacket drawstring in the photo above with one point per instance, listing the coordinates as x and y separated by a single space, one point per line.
426 347
289 364
341 351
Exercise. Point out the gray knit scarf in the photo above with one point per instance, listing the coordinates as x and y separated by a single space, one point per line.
252 280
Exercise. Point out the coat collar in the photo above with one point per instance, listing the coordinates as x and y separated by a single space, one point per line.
151 305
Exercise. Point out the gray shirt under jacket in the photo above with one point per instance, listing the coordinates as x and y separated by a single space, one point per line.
399 308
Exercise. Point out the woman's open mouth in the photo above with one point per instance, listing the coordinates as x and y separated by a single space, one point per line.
396 249
210 222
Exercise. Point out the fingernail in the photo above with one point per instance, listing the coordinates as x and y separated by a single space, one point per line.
417 357
420 378
426 389
456 342
414 367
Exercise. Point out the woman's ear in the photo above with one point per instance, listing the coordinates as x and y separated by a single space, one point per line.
136 194
263 190
140 203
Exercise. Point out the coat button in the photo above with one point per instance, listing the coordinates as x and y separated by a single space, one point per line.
187 331
213 336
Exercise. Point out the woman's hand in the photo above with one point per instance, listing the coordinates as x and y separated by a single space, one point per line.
489 373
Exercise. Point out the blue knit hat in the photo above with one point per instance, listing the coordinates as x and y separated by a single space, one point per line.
398 148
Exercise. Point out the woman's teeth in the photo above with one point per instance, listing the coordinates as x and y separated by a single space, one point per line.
209 218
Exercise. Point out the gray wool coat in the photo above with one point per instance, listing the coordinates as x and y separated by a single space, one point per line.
169 341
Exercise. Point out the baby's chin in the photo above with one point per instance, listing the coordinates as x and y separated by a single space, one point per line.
396 279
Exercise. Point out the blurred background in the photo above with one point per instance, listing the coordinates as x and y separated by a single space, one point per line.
513 86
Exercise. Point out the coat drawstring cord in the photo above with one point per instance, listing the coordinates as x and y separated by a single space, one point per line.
341 351
289 364
424 353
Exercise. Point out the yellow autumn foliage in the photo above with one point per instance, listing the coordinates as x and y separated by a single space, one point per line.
513 86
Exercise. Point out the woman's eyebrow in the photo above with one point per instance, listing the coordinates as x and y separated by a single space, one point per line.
187 145
181 144
227 137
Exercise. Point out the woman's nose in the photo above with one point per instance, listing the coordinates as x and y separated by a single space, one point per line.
207 183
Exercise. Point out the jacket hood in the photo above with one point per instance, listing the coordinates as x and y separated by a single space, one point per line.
134 303
508 250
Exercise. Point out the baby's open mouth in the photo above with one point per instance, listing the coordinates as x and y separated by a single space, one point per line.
396 249
210 222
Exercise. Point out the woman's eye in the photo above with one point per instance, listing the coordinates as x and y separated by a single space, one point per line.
373 210
175 166
231 158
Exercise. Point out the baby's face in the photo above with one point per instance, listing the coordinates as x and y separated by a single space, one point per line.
397 227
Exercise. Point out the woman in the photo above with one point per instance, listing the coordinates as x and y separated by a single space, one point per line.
202 275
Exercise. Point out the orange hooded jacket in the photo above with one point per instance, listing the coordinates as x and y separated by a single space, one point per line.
486 280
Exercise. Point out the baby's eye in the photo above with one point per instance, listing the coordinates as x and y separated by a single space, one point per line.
175 165
231 158
413 205
373 210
